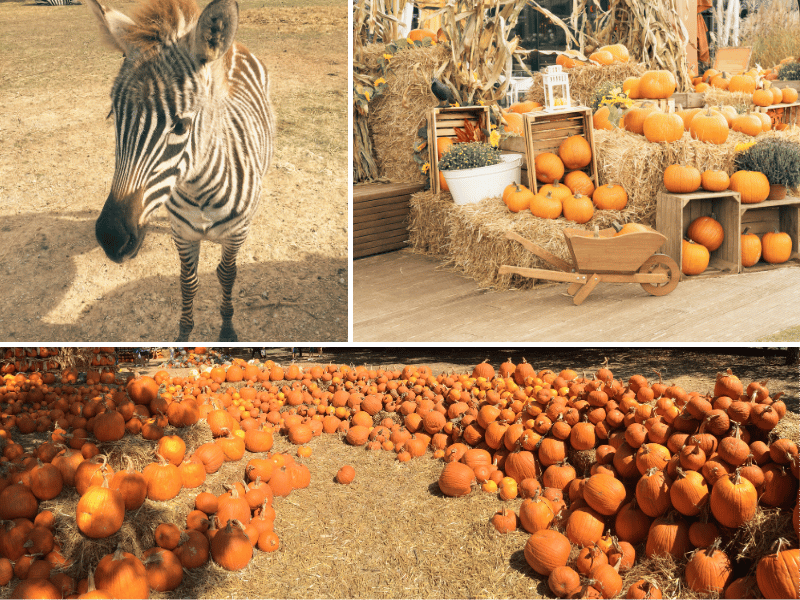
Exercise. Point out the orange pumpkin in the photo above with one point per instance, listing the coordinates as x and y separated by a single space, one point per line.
517 197
751 248
546 206
663 127
657 84
709 126
747 123
549 167
578 208
742 83
788 95
633 120
776 247
752 185
578 181
602 57
707 231
618 51
715 181
610 197
600 119
695 258
575 152
418 35
681 179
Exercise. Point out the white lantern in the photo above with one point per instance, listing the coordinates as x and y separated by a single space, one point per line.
554 78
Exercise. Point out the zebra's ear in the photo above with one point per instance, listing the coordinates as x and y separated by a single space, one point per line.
113 26
215 30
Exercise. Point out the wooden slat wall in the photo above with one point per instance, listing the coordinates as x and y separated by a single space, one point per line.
380 217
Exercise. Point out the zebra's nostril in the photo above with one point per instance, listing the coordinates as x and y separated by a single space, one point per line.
117 241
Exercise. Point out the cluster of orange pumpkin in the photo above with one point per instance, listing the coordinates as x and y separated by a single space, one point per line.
575 198
492 423
674 470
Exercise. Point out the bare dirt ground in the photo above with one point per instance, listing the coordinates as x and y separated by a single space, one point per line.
391 533
57 160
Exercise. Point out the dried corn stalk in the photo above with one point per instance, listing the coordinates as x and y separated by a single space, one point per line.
481 53
651 31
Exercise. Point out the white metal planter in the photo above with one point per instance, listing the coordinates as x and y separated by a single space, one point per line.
469 186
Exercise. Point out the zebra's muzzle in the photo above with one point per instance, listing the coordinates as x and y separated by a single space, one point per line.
117 229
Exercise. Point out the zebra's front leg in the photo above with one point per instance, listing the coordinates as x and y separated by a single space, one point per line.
226 274
190 254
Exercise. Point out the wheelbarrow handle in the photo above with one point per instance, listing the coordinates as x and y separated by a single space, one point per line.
541 252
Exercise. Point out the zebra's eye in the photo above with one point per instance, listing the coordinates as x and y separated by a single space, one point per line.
181 126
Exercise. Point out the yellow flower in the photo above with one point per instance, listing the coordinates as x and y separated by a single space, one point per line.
425 168
387 56
494 138
410 41
366 95
742 146
379 81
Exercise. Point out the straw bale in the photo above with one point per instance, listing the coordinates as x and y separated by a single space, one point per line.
741 101
638 165
402 109
584 80
427 229
478 246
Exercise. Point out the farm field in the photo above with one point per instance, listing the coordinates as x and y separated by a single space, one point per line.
58 161
392 532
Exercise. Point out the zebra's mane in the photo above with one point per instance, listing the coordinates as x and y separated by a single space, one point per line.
161 22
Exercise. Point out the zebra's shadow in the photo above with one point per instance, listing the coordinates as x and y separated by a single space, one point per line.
291 300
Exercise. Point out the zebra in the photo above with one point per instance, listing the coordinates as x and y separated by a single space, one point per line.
57 2
194 129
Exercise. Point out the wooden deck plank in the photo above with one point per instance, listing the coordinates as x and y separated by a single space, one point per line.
447 307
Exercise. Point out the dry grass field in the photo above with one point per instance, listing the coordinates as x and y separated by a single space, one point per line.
57 161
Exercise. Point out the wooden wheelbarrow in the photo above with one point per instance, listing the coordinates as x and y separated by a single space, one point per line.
599 256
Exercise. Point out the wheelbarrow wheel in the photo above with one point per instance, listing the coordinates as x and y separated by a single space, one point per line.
661 263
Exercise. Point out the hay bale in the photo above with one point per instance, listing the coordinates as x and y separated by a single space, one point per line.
478 246
584 80
427 230
638 165
741 101
399 112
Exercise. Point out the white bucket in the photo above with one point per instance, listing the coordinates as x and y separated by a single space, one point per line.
469 186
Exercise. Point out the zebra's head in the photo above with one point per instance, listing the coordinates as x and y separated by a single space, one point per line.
167 77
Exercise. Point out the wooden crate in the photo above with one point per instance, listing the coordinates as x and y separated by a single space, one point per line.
675 212
688 99
791 111
761 218
441 123
544 132
666 105
516 145
380 216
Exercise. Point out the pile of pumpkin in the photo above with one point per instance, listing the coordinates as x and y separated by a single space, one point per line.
510 431
705 234
675 472
225 528
707 124
576 198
